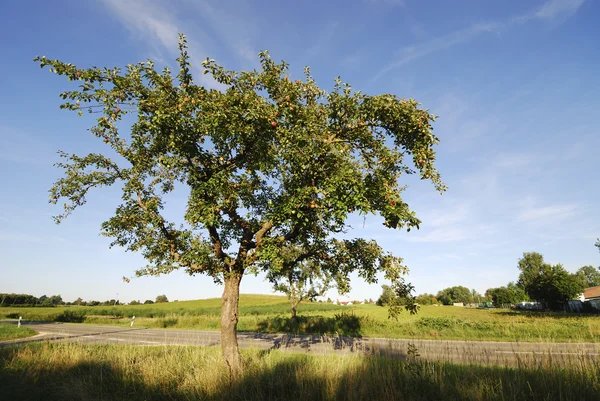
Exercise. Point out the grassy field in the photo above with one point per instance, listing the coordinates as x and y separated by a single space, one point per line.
11 332
69 371
271 314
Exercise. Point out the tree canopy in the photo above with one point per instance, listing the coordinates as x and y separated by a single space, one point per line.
509 295
458 293
589 276
264 161
161 299
550 284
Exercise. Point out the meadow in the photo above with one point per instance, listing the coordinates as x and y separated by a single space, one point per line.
72 371
265 313
12 332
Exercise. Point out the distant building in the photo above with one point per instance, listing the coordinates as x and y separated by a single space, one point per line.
592 293
458 304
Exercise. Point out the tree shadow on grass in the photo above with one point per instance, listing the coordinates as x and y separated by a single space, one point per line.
289 377
342 324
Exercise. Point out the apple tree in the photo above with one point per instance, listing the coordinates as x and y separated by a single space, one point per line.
264 161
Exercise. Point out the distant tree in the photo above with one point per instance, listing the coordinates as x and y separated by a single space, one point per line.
161 299
530 265
451 295
387 296
148 301
426 299
397 298
509 295
549 284
307 271
589 276
134 302
371 302
301 274
475 296
78 301
55 300
329 301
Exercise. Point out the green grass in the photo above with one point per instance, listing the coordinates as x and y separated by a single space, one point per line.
12 332
72 371
266 313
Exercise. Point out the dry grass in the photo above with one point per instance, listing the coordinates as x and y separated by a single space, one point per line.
67 371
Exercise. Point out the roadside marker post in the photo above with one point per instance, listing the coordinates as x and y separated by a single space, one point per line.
132 320
19 324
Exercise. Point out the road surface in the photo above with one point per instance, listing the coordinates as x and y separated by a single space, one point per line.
480 352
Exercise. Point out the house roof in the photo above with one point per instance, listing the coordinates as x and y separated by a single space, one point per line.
592 292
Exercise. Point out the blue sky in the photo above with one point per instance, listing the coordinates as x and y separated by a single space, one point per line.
515 85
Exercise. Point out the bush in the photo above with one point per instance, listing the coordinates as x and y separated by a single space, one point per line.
161 299
70 317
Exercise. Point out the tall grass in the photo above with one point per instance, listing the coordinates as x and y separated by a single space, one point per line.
70 371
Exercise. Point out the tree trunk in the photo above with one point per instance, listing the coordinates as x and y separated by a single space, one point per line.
294 306
229 320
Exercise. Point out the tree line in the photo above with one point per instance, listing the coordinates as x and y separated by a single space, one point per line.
7 300
550 285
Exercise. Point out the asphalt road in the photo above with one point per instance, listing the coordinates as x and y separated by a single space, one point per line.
480 352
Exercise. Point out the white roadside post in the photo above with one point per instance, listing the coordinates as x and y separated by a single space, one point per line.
19 324
132 320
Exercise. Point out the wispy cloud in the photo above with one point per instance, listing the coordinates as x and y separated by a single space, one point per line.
461 126
18 147
442 234
157 25
551 10
532 211
236 30
445 257
400 3
419 50
324 38
30 238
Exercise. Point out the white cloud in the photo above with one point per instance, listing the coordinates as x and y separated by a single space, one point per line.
148 19
414 52
400 3
157 25
324 38
236 30
531 211
551 10
555 212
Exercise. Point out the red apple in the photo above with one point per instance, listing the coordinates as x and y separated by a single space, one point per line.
273 123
